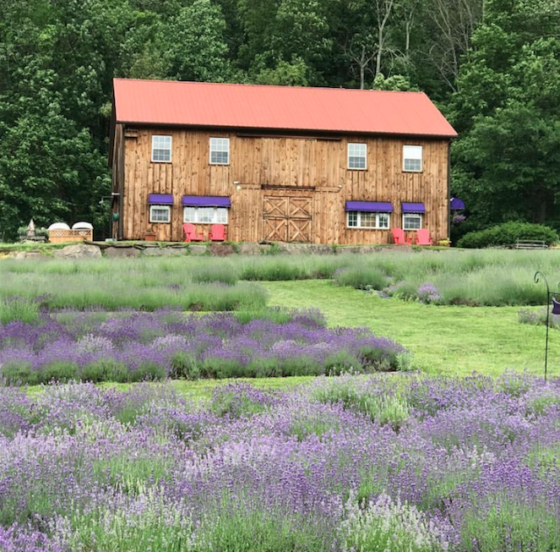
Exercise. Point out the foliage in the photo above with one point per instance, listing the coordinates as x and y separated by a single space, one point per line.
507 234
491 65
133 347
473 466
507 113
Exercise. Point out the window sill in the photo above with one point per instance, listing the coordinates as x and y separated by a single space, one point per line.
161 162
414 172
365 228
355 169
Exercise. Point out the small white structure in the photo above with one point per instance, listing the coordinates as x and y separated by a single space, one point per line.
82 226
60 232
59 226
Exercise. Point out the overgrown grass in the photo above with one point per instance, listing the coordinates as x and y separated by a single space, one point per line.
454 340
472 278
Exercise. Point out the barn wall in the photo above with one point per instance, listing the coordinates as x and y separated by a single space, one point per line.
274 167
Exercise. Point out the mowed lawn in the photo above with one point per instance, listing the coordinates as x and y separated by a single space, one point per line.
443 340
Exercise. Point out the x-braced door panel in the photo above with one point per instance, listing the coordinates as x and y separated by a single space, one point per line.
276 229
287 218
299 230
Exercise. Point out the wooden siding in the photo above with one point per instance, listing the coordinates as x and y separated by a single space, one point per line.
264 167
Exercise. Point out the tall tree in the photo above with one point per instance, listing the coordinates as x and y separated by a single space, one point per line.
196 44
508 112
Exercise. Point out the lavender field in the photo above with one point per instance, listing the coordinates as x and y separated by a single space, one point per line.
395 463
133 346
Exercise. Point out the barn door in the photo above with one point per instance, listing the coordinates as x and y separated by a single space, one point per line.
287 218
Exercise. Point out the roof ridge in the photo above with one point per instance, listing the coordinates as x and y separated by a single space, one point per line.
283 87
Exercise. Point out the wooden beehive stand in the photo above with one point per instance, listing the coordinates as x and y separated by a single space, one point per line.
78 235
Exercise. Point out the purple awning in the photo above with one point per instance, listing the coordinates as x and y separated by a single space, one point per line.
160 199
206 201
457 204
413 208
370 206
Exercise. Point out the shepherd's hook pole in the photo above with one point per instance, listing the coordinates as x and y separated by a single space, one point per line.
538 276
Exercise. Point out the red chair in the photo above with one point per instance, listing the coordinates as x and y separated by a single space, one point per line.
423 237
398 237
190 233
217 232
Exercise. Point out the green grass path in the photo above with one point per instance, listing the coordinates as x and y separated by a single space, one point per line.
443 340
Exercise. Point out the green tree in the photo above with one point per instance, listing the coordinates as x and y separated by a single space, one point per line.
196 43
507 110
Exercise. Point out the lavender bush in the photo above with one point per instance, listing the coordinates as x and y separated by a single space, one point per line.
132 346
473 466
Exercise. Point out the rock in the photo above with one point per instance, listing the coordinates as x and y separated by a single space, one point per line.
251 248
221 249
305 249
164 251
23 255
358 249
122 252
198 249
78 251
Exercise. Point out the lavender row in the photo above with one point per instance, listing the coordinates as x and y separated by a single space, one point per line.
382 462
132 346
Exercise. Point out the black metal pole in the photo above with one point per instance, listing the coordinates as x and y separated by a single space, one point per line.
537 278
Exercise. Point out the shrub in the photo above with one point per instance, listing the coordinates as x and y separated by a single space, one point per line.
104 370
18 308
224 273
507 234
361 277
391 526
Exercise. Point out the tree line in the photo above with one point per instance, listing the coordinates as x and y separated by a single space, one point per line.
492 67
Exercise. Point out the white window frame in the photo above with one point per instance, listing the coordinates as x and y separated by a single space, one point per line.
413 153
162 139
359 220
359 152
219 145
415 216
217 212
166 208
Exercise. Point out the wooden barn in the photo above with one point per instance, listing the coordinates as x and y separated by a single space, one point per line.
272 163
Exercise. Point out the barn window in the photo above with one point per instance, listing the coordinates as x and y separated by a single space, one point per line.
219 151
206 215
161 149
160 213
368 214
412 221
364 219
357 156
412 158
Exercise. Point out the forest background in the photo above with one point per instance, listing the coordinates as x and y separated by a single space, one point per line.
491 66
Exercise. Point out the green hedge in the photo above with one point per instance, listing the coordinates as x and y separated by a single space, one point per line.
508 234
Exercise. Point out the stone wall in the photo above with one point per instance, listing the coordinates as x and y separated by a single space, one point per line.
126 251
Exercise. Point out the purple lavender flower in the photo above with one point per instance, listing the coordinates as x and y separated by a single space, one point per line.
428 293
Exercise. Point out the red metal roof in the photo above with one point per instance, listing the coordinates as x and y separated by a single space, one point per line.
278 108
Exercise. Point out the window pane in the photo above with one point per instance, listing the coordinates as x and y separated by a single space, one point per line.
352 218
383 220
221 216
189 214
161 148
357 155
219 158
412 222
219 151
368 220
205 214
160 214
412 158
412 165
